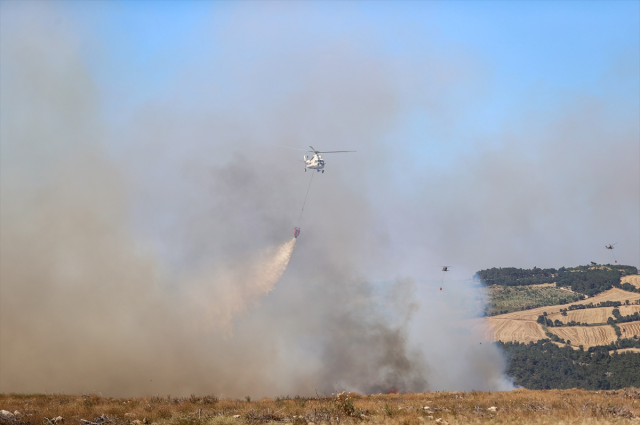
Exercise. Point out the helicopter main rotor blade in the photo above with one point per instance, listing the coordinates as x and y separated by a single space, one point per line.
313 149
333 151
289 147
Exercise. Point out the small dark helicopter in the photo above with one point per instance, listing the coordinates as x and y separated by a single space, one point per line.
444 269
610 246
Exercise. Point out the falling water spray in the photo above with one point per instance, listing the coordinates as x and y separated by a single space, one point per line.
228 291
271 266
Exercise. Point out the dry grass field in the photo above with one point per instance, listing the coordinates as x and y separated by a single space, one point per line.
630 329
588 336
633 279
522 326
510 330
512 407
495 329
626 310
594 315
591 315
613 294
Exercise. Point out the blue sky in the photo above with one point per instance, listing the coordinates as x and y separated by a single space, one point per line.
566 45
525 53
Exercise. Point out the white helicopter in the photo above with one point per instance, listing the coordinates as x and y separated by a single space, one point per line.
315 161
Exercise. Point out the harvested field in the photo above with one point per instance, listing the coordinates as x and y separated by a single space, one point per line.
587 336
512 330
521 326
590 315
633 279
518 406
531 315
627 310
630 329
594 315
613 294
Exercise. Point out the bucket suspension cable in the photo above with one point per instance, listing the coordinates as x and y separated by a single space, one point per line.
305 198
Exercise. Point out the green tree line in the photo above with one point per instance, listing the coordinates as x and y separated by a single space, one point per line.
588 280
544 365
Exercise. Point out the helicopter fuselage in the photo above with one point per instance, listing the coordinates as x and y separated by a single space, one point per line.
314 162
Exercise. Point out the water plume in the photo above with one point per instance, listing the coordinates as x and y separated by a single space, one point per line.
229 290
271 265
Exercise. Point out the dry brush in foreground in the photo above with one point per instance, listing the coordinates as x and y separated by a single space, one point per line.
518 406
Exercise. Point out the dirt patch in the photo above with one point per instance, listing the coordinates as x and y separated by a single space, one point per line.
544 285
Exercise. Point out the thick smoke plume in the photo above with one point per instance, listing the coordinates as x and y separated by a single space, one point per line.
146 270
143 239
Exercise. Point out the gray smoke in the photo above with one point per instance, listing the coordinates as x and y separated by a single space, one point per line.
152 273
134 250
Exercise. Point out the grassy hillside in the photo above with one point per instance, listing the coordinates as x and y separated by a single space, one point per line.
505 299
554 337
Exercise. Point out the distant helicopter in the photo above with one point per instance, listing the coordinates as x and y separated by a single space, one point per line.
610 246
314 160
444 269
